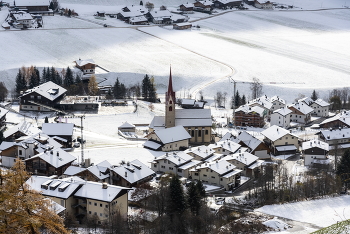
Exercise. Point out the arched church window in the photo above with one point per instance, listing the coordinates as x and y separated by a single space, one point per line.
171 102
170 108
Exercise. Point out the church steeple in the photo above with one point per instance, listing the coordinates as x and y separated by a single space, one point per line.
170 104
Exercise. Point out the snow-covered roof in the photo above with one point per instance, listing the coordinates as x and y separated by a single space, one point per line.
315 144
283 111
73 170
127 125
48 90
22 3
302 107
201 151
54 206
256 164
206 3
286 148
64 188
152 145
249 140
187 5
275 132
221 167
157 122
193 114
137 8
82 62
277 99
55 157
136 19
95 170
133 171
244 157
22 16
178 158
232 173
262 101
24 127
227 145
190 164
306 100
5 145
335 134
130 14
94 190
105 163
173 134
188 101
343 116
321 102
161 14
58 129
194 122
214 157
249 109
42 142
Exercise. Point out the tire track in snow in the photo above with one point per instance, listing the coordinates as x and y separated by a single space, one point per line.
196 89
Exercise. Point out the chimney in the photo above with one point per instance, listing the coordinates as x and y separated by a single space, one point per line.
104 185
58 154
126 174
51 152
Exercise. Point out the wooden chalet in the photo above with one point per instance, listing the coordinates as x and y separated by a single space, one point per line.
182 26
87 66
32 6
187 8
249 116
205 6
226 4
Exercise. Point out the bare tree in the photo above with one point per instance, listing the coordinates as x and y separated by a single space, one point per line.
225 98
344 95
218 98
256 88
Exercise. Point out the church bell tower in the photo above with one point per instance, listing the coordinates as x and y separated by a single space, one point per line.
170 104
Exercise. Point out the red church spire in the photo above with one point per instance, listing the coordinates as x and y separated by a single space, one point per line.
170 92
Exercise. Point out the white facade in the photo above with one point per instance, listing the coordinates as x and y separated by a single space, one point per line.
321 108
281 118
277 103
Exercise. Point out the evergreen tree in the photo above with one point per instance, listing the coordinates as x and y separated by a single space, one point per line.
48 75
237 99
68 78
78 79
200 189
46 119
53 75
20 82
122 90
3 92
141 3
116 89
58 78
145 87
314 95
193 198
43 77
243 100
152 91
176 204
344 165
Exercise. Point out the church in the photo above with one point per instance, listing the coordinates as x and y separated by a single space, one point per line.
197 122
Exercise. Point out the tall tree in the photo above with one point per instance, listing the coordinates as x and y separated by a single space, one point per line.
176 204
314 95
343 169
68 78
20 82
93 86
3 92
145 87
237 99
256 88
152 91
23 210
200 189
243 100
193 198
116 89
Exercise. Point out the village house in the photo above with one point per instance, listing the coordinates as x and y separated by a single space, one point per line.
307 100
61 132
42 97
169 139
201 153
205 6
32 6
254 145
138 20
83 199
172 163
341 120
126 16
226 4
186 8
86 66
191 104
197 122
130 174
263 5
226 147
219 173
252 116
182 26
315 152
281 117
127 127
134 8
159 17
242 161
3 113
301 113
82 103
263 102
336 137
25 147
280 140
49 162
21 20
321 108
97 173
22 129
277 103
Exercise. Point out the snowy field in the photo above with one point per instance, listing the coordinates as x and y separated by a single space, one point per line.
323 212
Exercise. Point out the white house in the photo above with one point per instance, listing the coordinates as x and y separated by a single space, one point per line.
281 117
339 137
321 108
263 5
314 151
263 102
22 19
277 103
280 140
301 113
242 161
225 147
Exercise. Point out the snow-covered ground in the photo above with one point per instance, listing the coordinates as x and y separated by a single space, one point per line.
322 212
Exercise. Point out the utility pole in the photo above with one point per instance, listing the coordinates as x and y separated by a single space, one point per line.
234 101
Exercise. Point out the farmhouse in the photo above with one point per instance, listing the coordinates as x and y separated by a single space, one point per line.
252 116
225 4
263 5
87 66
280 140
205 6
159 17
314 151
226 147
21 19
85 103
301 113
186 8
182 26
255 146
197 122
321 108
32 6
138 20
336 138
281 117
242 161
42 98
22 129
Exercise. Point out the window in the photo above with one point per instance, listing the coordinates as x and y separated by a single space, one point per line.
170 108
95 204
170 168
20 152
101 214
286 138
170 102
220 179
196 174
39 97
206 132
62 202
95 213
213 177
89 212
170 146
100 205
199 133
286 143
205 175
155 165
179 170
192 133
89 202
106 206
91 70
31 96
162 166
